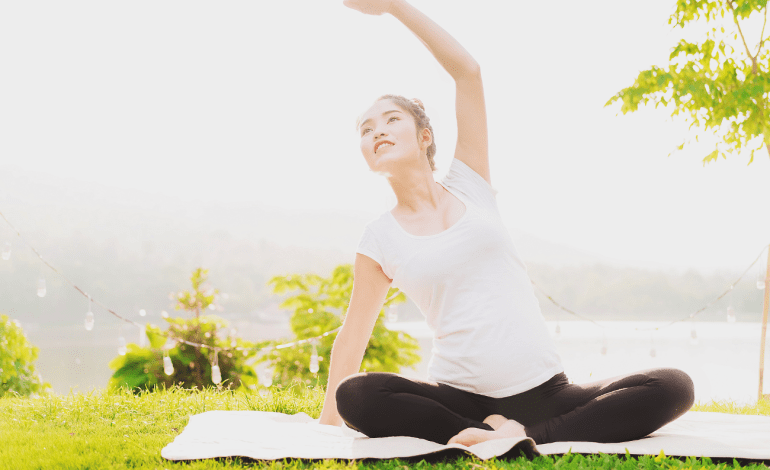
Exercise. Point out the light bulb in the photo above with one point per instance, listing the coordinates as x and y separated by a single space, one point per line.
7 251
314 363
168 367
164 314
41 287
693 337
604 350
216 375
142 312
90 320
266 377
761 284
122 346
558 332
393 314
652 352
730 314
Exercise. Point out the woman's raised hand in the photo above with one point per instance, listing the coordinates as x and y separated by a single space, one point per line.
370 7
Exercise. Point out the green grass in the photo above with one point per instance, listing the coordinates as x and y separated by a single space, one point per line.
120 430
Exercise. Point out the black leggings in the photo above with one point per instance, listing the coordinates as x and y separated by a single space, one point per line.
622 408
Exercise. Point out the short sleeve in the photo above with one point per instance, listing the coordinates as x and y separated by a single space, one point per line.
463 178
368 246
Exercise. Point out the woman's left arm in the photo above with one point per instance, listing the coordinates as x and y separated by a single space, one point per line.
472 144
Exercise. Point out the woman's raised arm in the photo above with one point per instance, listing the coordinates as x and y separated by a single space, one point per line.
472 143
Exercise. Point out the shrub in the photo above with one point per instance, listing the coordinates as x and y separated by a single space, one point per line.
314 314
17 357
143 368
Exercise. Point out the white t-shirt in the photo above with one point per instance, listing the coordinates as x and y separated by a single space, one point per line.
489 336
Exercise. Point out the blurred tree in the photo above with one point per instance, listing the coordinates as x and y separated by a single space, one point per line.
314 314
720 89
143 368
17 357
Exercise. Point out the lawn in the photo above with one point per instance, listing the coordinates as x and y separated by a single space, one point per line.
121 430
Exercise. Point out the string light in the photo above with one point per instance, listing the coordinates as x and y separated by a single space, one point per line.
314 360
164 314
89 316
168 367
266 377
41 287
657 327
7 251
730 314
693 333
391 314
216 374
142 312
604 344
730 309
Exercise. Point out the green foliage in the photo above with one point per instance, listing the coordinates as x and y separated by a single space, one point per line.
315 312
720 88
197 299
17 357
127 431
142 368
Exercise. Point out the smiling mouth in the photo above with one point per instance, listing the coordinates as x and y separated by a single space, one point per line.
379 147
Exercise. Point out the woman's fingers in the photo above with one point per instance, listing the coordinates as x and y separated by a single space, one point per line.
370 7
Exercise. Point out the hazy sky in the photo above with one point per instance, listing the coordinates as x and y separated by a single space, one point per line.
257 100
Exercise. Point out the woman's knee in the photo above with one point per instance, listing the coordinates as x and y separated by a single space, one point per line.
679 386
355 391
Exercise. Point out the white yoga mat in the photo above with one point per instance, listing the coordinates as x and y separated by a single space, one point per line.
268 435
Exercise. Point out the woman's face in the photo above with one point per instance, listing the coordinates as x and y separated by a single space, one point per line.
388 136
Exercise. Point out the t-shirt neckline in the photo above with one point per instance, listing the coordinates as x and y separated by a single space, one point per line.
465 215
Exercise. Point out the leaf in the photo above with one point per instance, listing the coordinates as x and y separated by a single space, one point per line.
710 157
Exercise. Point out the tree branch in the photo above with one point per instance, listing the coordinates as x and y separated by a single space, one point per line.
762 35
748 53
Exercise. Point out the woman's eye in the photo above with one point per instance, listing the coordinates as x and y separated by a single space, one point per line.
393 117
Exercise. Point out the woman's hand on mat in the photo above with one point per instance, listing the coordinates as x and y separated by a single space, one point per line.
370 7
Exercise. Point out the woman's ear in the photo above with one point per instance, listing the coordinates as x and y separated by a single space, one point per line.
426 137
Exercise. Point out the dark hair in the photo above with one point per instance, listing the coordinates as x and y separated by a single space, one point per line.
421 120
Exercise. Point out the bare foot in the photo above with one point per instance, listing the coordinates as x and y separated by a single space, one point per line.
502 426
495 421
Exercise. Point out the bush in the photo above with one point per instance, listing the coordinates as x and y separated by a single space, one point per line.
314 314
17 357
143 368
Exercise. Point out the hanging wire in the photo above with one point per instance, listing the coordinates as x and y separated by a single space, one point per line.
692 315
122 346
121 339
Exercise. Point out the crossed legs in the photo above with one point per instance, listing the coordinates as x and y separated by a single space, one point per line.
622 408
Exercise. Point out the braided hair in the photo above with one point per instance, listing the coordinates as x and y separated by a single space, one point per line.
421 120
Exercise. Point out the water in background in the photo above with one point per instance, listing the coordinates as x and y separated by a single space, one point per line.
724 364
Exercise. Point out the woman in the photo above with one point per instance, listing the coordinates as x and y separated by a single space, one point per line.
494 371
